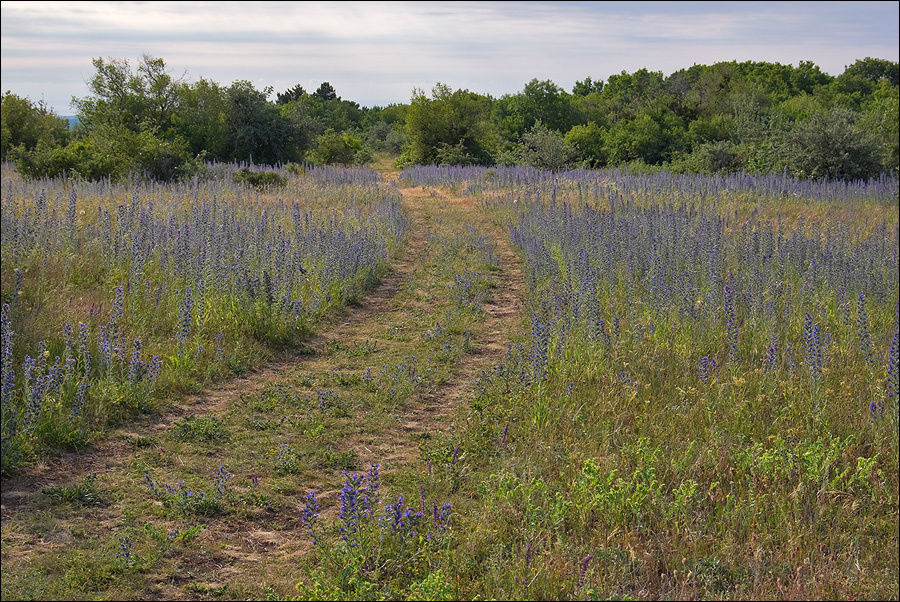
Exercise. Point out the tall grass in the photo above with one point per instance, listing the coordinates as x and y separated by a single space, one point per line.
117 294
703 402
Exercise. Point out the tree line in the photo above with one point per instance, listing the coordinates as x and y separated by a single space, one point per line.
729 116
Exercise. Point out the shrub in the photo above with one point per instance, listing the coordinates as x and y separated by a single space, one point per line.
260 180
711 157
544 149
830 145
343 148
109 152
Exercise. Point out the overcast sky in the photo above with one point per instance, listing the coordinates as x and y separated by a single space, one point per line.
376 53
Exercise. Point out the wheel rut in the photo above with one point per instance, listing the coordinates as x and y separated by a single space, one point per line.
114 450
243 546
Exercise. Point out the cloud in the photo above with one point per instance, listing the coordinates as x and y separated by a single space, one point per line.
376 52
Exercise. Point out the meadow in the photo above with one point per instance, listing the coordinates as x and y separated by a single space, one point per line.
451 383
115 295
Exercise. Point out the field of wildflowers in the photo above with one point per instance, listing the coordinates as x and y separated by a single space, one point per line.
704 400
698 398
115 295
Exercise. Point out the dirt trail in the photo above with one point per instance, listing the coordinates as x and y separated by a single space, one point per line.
245 546
503 312
114 450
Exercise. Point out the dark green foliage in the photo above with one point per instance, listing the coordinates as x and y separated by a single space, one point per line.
326 92
260 180
710 157
343 148
544 149
539 101
828 145
24 125
259 133
450 127
754 116
587 86
733 115
873 70
108 152
588 144
880 121
382 135
295 93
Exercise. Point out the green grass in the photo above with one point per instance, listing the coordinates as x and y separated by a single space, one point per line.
620 475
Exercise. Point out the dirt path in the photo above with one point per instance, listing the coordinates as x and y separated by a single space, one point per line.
114 450
362 421
502 314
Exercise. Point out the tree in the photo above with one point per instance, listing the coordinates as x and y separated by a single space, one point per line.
449 127
829 145
874 70
587 142
258 130
628 93
541 101
201 119
291 94
807 77
344 148
138 100
25 124
587 86
544 148
881 120
326 92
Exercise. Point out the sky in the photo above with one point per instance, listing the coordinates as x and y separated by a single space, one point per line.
377 53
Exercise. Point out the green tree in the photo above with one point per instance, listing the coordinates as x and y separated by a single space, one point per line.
881 121
259 133
830 145
201 119
587 86
344 148
653 136
25 124
539 101
588 142
544 148
326 92
874 70
627 94
450 126
136 99
807 77
291 94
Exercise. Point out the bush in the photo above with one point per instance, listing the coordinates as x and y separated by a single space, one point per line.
343 148
89 158
26 124
544 149
829 145
165 160
711 157
394 142
112 153
260 180
587 142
